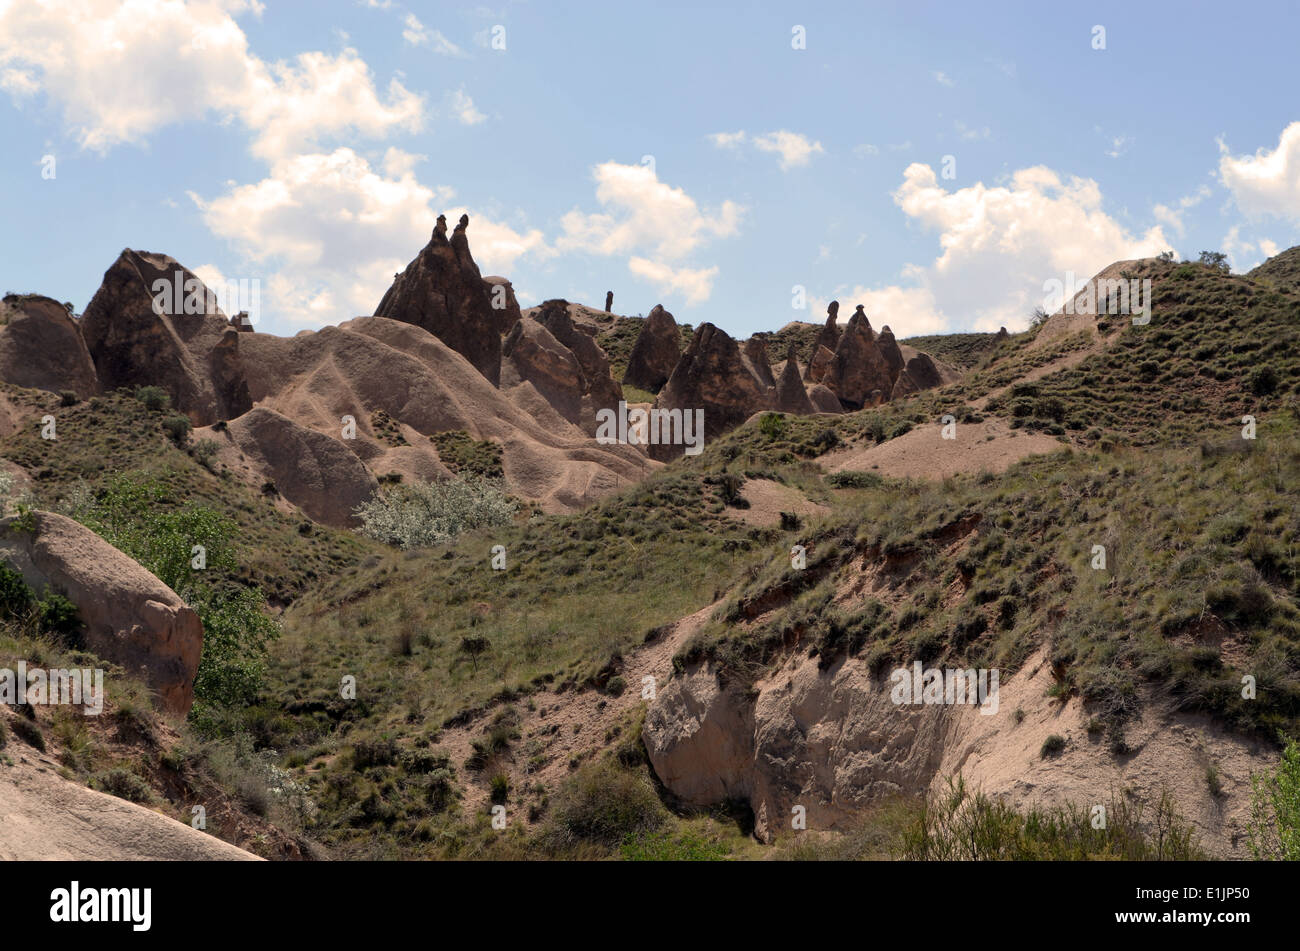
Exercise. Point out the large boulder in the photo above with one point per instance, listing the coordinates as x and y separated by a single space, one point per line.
41 347
823 400
154 323
532 354
921 373
131 618
859 375
713 376
791 396
655 353
599 389
501 298
443 292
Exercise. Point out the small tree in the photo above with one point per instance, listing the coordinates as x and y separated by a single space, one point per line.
1215 259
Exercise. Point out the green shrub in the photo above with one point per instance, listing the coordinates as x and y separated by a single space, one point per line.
773 426
154 398
15 596
425 514
177 428
604 805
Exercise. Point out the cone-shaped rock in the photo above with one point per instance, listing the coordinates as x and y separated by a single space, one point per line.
888 347
858 369
41 347
443 292
656 352
791 397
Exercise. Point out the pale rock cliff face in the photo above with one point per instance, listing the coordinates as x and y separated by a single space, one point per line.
833 741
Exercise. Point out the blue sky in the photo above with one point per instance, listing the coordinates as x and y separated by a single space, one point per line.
937 162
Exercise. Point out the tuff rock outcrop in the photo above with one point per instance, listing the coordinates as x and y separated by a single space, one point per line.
599 389
655 353
41 347
153 322
443 292
791 396
859 369
531 354
755 354
829 338
888 347
129 616
501 298
921 373
712 375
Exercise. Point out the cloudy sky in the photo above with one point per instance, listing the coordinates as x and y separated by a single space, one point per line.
936 162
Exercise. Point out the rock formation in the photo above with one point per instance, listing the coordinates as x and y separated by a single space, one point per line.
599 389
609 302
317 473
829 337
532 354
823 400
921 373
501 298
443 292
791 397
129 616
41 347
755 354
858 368
655 353
713 376
888 347
153 323
822 359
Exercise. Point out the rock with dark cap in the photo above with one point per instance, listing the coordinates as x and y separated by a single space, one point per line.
888 347
858 368
443 292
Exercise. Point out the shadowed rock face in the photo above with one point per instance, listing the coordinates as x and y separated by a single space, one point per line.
599 390
919 374
823 400
828 338
131 618
888 347
713 376
791 397
755 354
316 472
655 353
532 354
193 356
822 359
859 369
501 298
41 347
443 292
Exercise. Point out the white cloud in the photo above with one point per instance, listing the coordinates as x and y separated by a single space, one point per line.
19 83
793 148
643 212
328 231
653 223
942 78
866 149
122 71
417 34
906 311
1267 183
1173 217
694 285
462 107
998 246
969 134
